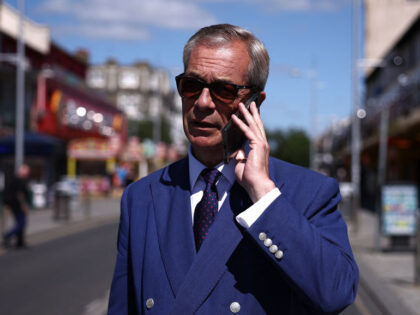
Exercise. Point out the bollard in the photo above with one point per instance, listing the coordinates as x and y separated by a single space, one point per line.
87 205
62 206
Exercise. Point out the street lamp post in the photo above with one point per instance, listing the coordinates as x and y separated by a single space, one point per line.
355 132
20 92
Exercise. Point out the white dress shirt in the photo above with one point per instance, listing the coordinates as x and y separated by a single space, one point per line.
223 185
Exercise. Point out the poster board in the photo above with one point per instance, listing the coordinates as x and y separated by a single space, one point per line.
399 210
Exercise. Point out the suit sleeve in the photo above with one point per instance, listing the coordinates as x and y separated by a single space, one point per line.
315 255
120 300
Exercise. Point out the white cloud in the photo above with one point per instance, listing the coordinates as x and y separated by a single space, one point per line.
132 19
303 5
289 5
126 19
107 31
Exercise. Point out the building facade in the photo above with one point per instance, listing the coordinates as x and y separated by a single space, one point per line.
142 92
390 132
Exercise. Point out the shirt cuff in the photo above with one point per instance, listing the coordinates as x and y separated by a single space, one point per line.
250 215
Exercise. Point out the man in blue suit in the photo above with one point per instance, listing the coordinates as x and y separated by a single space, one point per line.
253 236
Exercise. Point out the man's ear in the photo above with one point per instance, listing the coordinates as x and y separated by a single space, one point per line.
261 97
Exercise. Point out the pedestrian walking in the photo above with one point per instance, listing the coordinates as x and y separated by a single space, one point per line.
16 197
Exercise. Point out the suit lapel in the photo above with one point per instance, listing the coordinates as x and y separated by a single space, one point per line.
210 262
171 200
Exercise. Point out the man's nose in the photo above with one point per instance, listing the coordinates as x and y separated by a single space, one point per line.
205 101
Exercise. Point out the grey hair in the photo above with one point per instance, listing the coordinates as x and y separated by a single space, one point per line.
223 35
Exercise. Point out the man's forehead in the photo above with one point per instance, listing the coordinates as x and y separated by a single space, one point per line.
223 60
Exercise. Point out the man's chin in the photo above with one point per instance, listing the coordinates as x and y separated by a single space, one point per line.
204 146
204 143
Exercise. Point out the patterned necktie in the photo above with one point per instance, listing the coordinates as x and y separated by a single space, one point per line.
206 209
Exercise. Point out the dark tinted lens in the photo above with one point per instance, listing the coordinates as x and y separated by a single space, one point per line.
189 87
225 92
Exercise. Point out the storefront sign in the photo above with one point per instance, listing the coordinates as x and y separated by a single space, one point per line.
92 148
399 209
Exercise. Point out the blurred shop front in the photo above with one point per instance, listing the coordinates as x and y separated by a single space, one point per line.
92 129
62 111
105 166
92 161
70 112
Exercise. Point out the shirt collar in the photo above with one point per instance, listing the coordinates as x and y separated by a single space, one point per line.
196 167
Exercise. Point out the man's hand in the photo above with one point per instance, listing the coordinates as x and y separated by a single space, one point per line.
252 171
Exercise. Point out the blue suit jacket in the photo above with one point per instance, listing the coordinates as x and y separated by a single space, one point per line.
157 259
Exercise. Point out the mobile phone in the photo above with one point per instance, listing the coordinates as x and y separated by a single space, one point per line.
232 137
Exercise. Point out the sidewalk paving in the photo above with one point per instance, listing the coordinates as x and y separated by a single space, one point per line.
42 226
388 276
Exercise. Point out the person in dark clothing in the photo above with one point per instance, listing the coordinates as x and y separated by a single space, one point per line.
17 198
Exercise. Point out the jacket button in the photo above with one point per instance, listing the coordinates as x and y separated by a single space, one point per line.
279 254
262 236
235 307
150 303
268 242
273 249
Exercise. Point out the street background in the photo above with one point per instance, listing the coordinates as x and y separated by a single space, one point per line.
88 102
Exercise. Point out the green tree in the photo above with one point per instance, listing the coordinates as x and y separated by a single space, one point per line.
291 145
144 129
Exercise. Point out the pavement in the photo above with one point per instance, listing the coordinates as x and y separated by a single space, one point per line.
388 277
43 224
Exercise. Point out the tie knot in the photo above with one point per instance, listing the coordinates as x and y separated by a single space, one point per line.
210 175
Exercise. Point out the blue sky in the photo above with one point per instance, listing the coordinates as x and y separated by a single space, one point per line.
300 35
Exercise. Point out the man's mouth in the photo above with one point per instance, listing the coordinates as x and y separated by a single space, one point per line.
203 125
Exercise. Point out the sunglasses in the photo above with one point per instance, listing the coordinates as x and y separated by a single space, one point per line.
191 87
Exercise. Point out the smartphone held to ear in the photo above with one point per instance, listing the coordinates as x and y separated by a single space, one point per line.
233 137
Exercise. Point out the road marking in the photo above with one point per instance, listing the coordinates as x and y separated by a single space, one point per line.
98 306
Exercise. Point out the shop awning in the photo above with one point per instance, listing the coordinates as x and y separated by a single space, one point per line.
34 144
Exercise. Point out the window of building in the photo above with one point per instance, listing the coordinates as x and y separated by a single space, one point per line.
128 79
129 103
96 78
